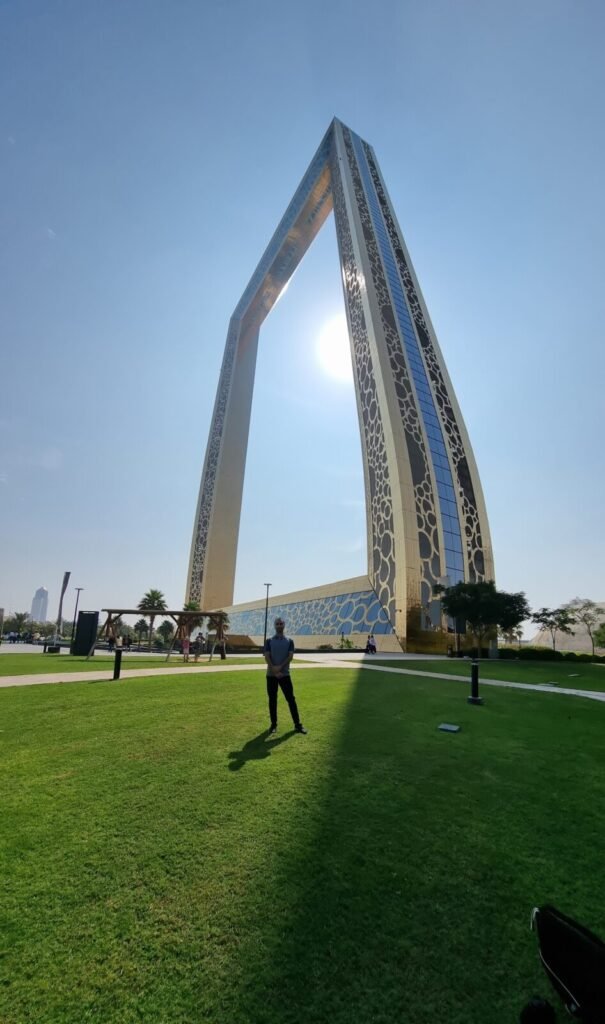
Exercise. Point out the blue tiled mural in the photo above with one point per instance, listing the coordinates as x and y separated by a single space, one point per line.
343 613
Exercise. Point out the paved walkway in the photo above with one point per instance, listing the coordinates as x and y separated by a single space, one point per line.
129 673
310 661
94 676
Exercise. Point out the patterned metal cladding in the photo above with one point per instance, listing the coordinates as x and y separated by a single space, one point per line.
442 495
424 497
206 497
278 249
382 558
472 527
359 612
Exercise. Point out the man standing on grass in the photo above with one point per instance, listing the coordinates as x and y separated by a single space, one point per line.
279 651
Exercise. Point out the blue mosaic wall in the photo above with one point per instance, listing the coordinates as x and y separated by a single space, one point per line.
342 613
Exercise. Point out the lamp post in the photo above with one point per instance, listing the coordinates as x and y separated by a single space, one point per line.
73 628
474 697
267 585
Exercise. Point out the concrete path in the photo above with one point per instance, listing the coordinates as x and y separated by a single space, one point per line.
103 675
94 675
129 673
310 661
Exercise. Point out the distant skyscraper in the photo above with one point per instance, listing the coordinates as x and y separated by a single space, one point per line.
40 605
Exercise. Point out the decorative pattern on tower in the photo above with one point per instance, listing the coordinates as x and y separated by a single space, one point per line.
426 519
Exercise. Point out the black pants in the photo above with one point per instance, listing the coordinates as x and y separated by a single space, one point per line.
288 691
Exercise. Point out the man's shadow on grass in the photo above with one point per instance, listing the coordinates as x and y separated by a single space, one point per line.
256 749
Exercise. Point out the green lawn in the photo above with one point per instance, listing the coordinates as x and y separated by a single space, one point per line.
578 676
30 664
166 863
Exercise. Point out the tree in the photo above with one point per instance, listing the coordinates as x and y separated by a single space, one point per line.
554 620
512 636
152 602
599 635
16 623
484 608
513 611
141 629
219 621
589 614
43 628
193 622
166 631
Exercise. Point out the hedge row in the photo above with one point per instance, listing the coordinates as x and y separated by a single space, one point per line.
545 654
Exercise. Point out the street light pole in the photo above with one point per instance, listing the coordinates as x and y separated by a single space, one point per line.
267 585
73 628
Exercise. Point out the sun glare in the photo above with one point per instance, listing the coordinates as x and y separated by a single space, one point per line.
333 350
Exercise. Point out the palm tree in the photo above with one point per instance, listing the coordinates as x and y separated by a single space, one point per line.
219 621
193 622
152 602
166 631
19 620
141 628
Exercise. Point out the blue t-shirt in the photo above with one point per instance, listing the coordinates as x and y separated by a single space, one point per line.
278 648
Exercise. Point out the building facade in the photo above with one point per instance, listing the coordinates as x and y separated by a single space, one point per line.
425 513
40 605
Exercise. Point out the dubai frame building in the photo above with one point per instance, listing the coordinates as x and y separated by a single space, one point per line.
425 513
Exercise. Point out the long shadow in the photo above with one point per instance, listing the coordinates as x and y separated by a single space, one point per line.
256 749
401 891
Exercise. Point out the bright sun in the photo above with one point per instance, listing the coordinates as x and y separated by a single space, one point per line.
333 350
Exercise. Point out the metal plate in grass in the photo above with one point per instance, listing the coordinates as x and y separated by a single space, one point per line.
448 727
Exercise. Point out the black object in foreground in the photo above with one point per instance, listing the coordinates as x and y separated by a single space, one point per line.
538 1011
574 960
474 697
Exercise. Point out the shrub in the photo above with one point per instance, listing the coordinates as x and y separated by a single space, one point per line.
540 654
325 647
545 654
474 652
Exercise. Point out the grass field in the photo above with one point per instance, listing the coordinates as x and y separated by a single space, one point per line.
165 862
32 664
581 676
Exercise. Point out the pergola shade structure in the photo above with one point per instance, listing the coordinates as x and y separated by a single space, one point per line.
425 514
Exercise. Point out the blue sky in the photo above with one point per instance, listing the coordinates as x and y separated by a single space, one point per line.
147 153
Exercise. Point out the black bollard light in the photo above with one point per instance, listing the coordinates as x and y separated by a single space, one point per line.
117 663
474 697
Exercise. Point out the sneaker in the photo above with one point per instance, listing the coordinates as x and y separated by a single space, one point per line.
300 728
272 730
